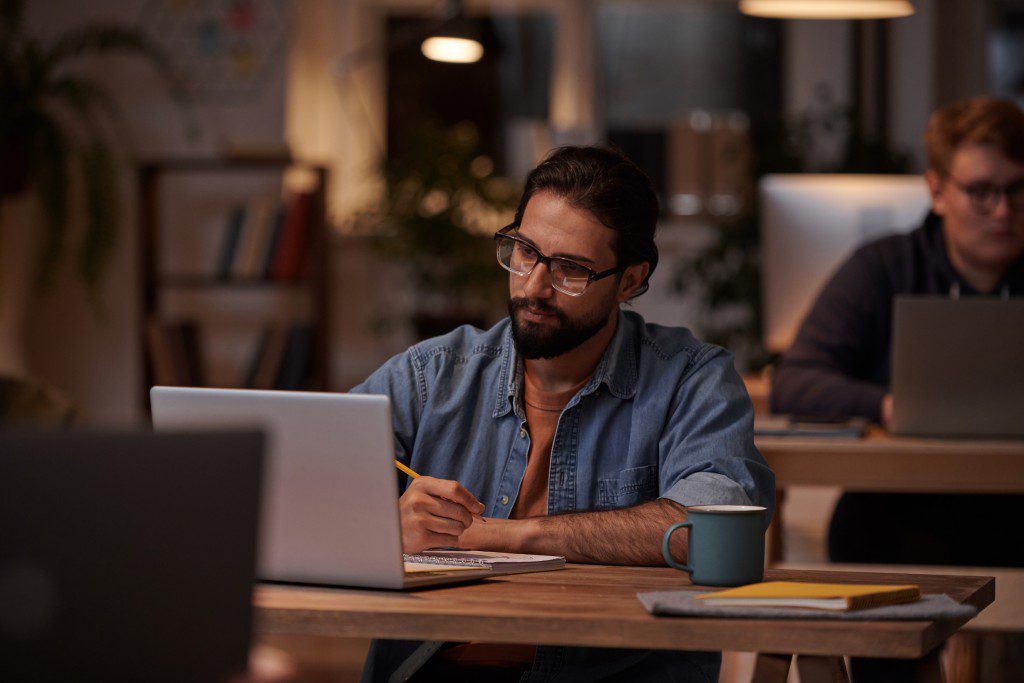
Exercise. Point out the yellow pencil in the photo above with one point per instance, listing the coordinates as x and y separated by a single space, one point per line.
407 470
415 475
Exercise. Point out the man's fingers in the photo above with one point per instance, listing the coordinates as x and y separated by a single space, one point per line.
443 525
422 503
428 513
453 491
445 508
417 539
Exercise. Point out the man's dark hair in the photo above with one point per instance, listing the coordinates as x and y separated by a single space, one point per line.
613 189
978 121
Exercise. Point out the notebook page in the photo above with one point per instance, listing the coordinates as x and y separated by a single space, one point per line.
421 567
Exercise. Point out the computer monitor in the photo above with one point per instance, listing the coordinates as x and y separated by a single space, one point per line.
810 223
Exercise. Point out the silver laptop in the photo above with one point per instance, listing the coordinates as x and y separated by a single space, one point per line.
958 367
330 512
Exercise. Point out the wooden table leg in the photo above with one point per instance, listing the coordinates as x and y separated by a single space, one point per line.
822 669
929 668
771 668
775 531
961 657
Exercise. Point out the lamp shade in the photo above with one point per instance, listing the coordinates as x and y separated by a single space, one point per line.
827 9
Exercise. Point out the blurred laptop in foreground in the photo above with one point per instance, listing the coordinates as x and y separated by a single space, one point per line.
127 557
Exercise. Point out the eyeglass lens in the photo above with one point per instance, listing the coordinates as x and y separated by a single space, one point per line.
986 196
520 258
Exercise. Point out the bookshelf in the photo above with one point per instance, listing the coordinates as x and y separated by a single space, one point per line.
271 276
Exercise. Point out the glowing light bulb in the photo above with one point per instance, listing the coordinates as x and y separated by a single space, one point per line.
450 49
827 9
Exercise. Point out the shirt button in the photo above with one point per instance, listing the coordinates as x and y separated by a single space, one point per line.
522 432
504 500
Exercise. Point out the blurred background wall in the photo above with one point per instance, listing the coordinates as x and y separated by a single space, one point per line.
323 79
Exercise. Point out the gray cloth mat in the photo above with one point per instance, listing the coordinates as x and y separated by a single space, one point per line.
684 604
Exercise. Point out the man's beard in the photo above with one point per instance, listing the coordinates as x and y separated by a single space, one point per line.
535 341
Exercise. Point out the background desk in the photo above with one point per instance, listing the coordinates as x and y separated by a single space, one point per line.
592 605
881 462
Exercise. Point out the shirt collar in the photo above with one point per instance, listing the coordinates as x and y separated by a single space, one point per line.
617 369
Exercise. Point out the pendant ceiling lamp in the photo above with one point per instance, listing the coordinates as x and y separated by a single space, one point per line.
456 41
827 9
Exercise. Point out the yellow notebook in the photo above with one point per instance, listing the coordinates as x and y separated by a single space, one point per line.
831 596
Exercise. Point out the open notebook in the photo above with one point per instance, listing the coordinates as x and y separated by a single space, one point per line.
330 509
468 560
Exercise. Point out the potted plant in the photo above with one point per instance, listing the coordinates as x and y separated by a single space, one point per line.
442 205
51 135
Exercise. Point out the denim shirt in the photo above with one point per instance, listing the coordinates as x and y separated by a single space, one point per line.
664 415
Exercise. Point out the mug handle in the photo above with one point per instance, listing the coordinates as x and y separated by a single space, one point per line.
668 555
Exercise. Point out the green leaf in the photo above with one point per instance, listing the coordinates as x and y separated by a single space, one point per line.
102 40
99 169
36 97
50 175
84 96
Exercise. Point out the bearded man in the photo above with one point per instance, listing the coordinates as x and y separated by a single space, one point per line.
573 427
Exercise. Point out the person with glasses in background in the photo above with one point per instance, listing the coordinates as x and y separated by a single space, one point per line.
970 244
574 427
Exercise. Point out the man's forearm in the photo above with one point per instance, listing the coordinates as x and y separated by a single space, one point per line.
629 536
801 389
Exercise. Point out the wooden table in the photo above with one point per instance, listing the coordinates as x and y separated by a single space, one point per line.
593 605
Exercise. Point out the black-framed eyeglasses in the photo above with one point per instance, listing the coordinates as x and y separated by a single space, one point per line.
518 256
984 196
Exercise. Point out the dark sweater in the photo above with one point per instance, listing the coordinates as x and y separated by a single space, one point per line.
839 363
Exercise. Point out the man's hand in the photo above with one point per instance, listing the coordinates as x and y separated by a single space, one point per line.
434 513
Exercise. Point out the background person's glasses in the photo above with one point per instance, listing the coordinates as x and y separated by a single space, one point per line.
567 276
985 196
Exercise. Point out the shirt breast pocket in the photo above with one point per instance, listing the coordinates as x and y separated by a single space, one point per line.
631 487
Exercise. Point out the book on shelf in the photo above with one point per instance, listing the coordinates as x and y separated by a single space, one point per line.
161 355
248 379
187 333
826 596
255 232
273 353
296 361
232 234
288 259
175 353
273 240
283 357
266 239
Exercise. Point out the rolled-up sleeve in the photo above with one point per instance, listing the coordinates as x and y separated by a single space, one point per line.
707 447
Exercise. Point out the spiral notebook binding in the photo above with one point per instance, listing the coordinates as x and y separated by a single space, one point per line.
452 561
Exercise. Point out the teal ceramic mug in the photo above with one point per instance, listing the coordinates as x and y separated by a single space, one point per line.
725 546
